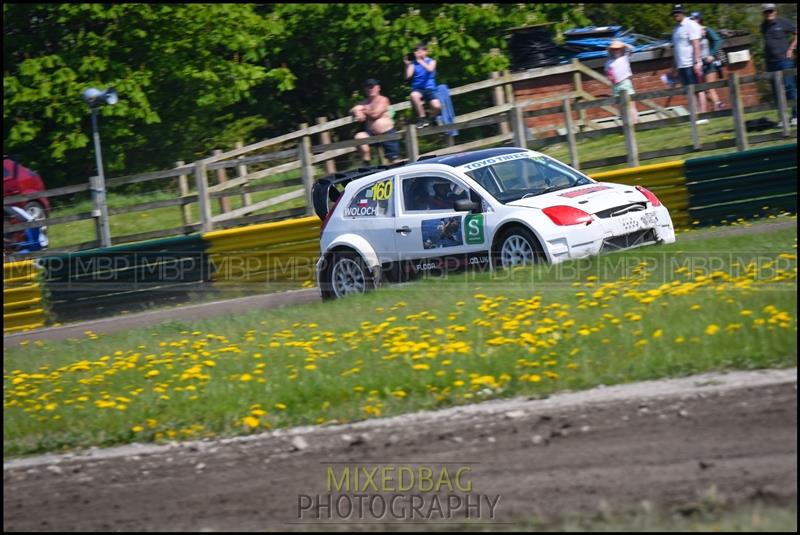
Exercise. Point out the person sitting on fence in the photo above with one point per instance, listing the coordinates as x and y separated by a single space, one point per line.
618 70
710 45
422 71
376 114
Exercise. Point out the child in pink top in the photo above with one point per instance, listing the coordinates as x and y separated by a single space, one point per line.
618 70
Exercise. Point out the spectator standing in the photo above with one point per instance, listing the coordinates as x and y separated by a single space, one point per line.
686 37
710 44
780 41
618 70
375 113
421 70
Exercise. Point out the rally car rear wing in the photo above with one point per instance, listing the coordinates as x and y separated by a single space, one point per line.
327 190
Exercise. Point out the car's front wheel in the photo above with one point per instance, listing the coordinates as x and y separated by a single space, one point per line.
346 274
517 247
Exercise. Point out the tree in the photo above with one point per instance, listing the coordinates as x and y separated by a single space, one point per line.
193 77
177 69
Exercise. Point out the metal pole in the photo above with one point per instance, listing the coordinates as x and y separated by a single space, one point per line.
99 189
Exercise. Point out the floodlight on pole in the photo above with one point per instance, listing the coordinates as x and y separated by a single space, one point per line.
96 98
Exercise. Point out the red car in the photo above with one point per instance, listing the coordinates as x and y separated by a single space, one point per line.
19 180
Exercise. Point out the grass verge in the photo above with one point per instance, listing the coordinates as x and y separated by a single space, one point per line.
693 306
754 517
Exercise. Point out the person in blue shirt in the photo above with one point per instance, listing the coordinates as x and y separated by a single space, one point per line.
422 73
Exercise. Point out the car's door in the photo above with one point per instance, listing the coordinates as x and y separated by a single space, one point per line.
429 232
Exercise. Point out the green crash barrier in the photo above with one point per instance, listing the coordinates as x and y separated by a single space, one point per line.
737 185
129 277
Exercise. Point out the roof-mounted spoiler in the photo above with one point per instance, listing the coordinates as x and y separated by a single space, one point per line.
329 188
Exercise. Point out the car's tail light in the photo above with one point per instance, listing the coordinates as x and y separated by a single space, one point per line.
650 196
567 215
328 215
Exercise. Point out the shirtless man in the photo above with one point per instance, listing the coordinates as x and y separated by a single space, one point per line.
375 114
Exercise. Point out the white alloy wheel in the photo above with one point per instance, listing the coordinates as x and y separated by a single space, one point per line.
516 251
348 277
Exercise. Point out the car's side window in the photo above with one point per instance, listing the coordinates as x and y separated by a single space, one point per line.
426 193
375 200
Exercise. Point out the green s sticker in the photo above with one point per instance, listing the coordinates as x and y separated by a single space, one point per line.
473 229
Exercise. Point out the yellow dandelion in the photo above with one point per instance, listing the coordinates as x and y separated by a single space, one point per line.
250 422
712 329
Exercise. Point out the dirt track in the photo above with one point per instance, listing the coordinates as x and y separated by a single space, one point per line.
666 442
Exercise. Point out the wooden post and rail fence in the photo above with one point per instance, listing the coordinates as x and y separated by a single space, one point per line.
258 171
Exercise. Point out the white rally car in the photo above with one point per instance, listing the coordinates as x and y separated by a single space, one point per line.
498 207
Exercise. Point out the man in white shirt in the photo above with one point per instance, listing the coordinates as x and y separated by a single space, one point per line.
686 37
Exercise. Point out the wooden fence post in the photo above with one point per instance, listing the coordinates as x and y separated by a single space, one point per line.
241 170
570 125
100 211
518 127
325 139
578 83
508 88
692 103
222 177
628 128
498 99
306 167
780 94
203 200
735 92
412 143
183 184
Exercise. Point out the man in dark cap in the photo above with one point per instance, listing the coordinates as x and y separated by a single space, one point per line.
376 114
780 40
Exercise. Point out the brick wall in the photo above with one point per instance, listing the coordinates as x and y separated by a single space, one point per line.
646 77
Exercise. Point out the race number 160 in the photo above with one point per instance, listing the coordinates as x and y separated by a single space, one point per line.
382 191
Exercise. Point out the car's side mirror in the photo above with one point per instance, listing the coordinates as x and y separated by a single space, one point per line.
467 205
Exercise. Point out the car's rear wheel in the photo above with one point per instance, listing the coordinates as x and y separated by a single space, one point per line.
517 247
347 274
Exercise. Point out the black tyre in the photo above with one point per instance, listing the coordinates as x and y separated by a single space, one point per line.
347 274
516 246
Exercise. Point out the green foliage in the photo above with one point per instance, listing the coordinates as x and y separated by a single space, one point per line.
194 77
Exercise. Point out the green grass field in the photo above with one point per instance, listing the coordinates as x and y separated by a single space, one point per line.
693 306
747 518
